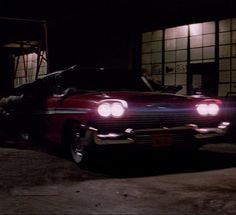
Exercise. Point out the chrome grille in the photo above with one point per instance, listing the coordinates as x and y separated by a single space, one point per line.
154 119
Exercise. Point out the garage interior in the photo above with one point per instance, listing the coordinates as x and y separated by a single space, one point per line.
177 42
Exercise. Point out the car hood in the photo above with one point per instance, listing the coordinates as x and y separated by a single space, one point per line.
137 98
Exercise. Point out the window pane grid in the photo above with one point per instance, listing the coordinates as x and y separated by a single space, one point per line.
202 49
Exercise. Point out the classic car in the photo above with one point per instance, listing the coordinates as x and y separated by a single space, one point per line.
83 108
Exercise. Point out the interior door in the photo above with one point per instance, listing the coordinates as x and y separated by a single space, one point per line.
203 79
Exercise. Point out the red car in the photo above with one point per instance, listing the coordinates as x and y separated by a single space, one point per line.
81 108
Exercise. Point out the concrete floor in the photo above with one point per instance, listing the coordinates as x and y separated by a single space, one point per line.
36 180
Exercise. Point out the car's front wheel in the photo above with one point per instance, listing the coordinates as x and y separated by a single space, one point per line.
76 143
77 149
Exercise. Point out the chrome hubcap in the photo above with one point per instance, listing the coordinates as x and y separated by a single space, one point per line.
77 148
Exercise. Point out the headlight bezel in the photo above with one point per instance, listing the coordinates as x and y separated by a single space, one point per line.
114 108
208 108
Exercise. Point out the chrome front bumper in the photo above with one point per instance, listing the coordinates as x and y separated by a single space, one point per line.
159 136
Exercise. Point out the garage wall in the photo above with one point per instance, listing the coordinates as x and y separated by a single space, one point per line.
168 53
227 56
26 67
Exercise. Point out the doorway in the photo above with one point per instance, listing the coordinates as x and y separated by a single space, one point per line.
203 79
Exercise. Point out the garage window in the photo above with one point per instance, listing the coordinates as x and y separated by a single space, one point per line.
28 66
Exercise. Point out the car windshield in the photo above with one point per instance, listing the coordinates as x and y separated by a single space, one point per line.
102 80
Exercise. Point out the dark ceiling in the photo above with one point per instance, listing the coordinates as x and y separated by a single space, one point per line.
146 10
143 14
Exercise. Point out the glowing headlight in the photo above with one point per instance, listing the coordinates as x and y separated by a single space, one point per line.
104 109
208 109
202 109
112 108
213 109
117 109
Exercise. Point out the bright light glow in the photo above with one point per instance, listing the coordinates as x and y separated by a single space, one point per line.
196 29
117 109
224 125
104 109
213 109
112 108
208 109
202 109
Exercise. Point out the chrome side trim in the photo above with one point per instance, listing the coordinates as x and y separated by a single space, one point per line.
59 111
